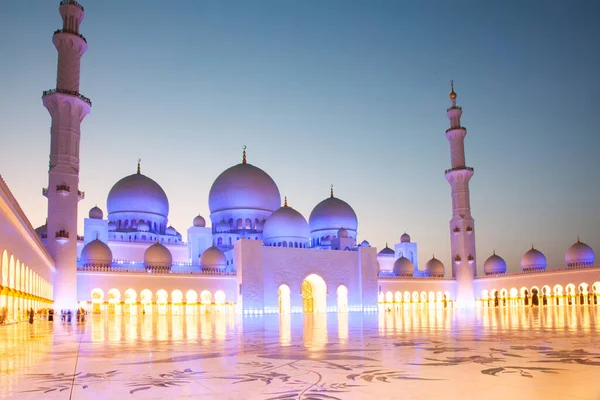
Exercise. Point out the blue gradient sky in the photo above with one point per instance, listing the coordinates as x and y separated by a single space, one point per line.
343 92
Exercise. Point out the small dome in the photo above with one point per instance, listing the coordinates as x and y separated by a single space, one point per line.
364 243
96 252
170 231
494 265
96 213
579 254
142 226
244 186
533 259
223 227
158 255
286 224
386 251
342 233
199 221
137 193
405 238
332 214
434 267
112 227
403 267
213 258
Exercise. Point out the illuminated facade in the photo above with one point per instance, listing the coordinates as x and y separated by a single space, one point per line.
257 256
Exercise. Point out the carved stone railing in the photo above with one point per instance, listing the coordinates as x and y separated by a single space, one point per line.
73 2
70 32
62 234
69 92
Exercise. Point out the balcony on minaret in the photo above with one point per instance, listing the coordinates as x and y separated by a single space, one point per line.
79 238
72 2
459 168
457 259
45 192
70 32
456 230
80 195
469 230
63 190
69 92
62 236
470 259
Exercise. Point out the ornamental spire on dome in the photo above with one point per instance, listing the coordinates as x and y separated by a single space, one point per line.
285 201
244 155
139 170
452 94
331 191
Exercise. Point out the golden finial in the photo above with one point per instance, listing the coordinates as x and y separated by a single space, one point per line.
578 239
331 191
244 155
532 246
494 252
139 170
452 93
285 201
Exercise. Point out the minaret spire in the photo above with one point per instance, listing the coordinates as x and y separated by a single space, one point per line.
67 107
244 155
139 169
462 225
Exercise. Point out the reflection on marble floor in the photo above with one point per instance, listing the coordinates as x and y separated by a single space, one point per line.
488 353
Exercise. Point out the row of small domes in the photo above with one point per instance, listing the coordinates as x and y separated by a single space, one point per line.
578 254
404 267
157 255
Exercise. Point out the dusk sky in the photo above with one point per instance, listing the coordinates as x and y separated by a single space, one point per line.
327 92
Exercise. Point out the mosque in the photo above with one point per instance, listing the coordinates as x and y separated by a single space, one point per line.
255 254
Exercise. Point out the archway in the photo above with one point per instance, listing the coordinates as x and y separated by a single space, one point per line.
220 301
206 299
570 289
114 300
130 302
146 297
191 299
314 292
284 299
558 295
342 298
161 301
97 299
596 293
176 302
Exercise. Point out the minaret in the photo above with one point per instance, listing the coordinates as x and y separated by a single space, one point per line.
67 107
462 225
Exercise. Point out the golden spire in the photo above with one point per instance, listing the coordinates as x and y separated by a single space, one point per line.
285 201
452 93
331 191
494 252
532 246
139 170
244 155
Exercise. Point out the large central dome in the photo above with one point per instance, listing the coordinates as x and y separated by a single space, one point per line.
138 193
332 213
244 186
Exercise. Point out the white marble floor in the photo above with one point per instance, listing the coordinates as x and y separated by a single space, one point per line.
551 353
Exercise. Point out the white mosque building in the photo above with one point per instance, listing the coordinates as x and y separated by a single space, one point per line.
258 255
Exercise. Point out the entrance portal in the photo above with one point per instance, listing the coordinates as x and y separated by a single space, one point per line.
314 291
284 299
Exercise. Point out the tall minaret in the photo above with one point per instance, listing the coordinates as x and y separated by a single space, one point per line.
462 225
67 107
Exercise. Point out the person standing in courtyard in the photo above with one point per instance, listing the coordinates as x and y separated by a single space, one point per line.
31 313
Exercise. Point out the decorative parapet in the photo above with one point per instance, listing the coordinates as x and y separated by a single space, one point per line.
69 92
137 269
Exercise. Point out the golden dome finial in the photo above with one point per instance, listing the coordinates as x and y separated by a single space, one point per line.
244 155
285 201
452 93
331 191
577 238
139 170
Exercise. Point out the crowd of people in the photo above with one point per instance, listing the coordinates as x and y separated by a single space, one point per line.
45 314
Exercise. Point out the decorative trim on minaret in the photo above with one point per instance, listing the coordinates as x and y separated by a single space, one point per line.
331 191
139 169
244 155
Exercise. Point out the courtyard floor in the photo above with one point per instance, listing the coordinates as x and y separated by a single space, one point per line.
524 353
